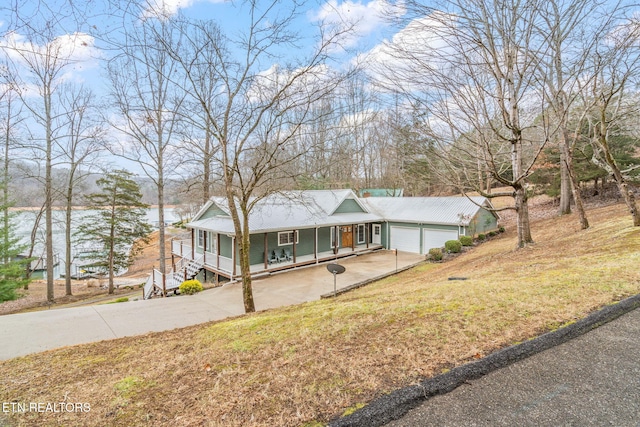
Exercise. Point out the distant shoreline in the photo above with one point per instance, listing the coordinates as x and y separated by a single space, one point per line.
75 208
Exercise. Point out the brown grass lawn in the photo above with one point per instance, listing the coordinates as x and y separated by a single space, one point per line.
305 364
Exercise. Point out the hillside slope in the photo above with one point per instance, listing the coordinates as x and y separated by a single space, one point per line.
308 363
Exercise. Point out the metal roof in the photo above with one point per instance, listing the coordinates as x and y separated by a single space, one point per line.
307 209
455 210
289 211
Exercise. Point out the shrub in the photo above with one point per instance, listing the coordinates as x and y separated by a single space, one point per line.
501 229
190 287
435 254
466 240
453 246
481 237
492 233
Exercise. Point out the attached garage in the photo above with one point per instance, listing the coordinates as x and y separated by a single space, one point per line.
405 239
436 238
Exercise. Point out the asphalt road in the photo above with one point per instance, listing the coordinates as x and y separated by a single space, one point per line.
592 380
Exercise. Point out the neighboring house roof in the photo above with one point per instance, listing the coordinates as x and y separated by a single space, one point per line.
427 210
288 211
381 192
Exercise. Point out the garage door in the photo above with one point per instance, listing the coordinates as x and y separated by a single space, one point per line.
436 238
405 239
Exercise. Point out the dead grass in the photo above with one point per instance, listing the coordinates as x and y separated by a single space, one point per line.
307 363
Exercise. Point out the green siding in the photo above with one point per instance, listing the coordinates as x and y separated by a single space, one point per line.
324 239
256 255
349 206
484 221
226 245
305 245
212 211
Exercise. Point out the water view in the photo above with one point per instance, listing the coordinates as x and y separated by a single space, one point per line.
25 220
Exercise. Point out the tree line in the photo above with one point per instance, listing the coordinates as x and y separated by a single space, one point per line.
469 95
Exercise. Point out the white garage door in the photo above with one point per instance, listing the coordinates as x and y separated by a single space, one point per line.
436 238
405 239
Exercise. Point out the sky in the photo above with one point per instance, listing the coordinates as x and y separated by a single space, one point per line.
369 18
86 53
367 45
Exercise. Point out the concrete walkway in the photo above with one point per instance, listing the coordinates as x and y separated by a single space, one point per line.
43 330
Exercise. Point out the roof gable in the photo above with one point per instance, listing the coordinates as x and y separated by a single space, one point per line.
213 208
349 206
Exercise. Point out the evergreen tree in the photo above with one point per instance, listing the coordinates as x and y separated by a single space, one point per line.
119 223
13 270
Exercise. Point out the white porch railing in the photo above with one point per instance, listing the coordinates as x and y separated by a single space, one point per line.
182 248
185 269
154 279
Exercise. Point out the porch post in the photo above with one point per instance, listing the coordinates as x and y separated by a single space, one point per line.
315 245
295 235
193 244
353 237
173 258
233 256
218 252
204 247
265 252
367 234
335 246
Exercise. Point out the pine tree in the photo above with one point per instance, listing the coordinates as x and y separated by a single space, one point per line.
119 223
13 270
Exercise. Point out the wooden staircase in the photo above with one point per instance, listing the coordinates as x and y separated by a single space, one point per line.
186 269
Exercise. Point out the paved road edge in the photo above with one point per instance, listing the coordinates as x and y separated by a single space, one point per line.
397 403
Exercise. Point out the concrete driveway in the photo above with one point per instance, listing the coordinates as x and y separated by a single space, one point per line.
43 330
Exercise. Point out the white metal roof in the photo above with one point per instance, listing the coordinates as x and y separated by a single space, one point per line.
426 210
306 209
289 211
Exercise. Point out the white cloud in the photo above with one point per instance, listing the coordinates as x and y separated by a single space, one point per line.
166 8
358 19
73 53
404 58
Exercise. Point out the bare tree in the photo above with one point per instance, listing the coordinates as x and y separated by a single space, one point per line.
469 70
259 107
78 142
568 28
40 54
611 92
148 107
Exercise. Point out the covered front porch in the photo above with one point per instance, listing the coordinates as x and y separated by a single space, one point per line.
264 262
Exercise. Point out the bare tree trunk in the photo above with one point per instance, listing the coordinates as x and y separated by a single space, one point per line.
48 195
565 181
245 266
523 224
574 184
67 238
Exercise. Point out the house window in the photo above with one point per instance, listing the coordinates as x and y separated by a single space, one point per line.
212 244
200 238
287 237
361 236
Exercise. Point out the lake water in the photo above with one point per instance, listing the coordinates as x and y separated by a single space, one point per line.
24 221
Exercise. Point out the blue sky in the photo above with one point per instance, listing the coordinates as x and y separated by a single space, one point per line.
368 17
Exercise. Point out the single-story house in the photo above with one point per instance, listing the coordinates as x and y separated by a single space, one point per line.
299 228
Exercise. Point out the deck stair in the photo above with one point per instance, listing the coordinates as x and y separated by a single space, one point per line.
185 269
